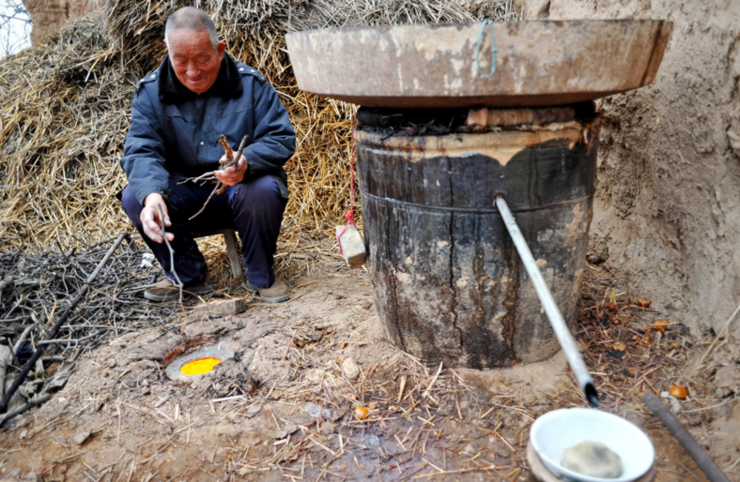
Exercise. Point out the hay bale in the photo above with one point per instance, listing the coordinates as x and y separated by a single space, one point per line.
64 110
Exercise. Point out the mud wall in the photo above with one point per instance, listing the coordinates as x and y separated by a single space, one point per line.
49 16
667 208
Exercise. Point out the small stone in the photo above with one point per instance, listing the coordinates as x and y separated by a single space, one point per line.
233 417
595 259
82 437
350 369
218 309
23 434
254 409
315 376
734 139
675 404
313 409
287 429
727 376
31 476
722 392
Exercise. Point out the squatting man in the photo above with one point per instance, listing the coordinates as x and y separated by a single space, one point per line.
179 111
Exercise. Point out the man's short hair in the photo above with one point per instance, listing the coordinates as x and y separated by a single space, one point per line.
191 18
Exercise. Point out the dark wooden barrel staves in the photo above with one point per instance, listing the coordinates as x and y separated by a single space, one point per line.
448 283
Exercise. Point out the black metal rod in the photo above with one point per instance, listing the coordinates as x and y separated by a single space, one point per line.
567 343
34 402
60 321
697 452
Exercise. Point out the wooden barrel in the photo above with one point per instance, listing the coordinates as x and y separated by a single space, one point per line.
447 281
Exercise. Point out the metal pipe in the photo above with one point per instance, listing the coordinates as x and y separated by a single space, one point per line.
32 403
697 452
548 303
58 324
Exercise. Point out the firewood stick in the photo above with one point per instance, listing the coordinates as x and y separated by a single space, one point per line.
6 358
694 449
177 282
215 189
232 162
227 149
235 160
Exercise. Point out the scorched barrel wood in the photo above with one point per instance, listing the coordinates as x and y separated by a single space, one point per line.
448 283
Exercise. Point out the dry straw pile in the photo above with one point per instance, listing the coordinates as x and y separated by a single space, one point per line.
64 110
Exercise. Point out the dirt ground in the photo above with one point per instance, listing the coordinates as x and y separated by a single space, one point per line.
285 407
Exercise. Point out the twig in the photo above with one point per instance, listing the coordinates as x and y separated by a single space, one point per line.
434 379
235 159
227 150
172 251
206 203
63 340
22 338
231 162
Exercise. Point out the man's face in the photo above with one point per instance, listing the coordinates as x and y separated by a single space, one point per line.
195 61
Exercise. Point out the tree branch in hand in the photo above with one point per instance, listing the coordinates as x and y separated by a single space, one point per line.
232 162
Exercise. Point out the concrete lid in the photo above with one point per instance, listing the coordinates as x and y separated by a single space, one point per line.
537 63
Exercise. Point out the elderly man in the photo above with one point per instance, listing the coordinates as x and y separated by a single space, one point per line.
198 93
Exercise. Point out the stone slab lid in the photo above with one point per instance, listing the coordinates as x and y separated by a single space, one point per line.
538 63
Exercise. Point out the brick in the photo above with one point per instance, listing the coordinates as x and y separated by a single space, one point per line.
218 309
353 246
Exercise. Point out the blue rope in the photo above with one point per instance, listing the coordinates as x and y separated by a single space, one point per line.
493 49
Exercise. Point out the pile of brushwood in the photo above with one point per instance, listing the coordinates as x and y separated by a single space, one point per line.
37 288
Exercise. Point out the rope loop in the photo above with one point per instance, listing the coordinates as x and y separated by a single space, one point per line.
494 49
350 214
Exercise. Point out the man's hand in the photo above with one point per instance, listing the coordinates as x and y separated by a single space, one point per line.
150 218
231 176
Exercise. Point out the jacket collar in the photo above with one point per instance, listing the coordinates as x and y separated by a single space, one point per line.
228 84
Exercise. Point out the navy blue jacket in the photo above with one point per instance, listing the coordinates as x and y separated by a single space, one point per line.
174 132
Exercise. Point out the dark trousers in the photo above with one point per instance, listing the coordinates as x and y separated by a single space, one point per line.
255 209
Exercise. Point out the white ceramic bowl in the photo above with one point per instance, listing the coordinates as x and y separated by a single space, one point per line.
558 430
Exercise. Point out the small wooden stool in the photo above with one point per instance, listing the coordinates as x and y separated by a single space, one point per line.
232 248
539 473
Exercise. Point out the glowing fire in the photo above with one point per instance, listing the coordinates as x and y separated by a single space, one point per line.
199 366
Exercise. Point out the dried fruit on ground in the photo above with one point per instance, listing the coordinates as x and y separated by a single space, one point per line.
361 413
642 303
678 391
659 325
